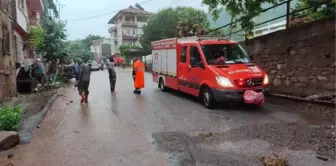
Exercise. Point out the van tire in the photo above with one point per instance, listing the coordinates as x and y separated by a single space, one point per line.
207 98
162 85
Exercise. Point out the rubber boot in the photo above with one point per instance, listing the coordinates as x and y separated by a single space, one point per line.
83 99
86 98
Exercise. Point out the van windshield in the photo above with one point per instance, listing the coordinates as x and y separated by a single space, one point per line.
221 54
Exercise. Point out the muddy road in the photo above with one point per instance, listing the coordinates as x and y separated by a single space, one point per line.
170 128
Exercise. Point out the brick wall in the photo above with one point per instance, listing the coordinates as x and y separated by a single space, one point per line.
299 62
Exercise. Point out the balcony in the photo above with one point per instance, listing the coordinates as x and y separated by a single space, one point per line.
112 29
129 37
35 6
34 21
129 23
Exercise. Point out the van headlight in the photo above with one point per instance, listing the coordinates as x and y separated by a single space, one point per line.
223 81
265 80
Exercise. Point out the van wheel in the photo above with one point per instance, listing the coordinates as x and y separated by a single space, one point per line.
162 85
207 98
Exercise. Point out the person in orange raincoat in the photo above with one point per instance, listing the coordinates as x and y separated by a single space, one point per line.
138 75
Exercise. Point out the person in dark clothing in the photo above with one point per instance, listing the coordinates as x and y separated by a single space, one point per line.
76 72
112 75
84 81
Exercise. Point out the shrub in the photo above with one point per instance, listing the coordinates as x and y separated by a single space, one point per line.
10 117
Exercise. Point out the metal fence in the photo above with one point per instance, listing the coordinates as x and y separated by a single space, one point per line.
287 15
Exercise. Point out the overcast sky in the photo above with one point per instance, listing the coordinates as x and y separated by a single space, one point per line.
78 9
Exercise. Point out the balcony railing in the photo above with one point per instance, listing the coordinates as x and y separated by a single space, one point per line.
129 23
129 37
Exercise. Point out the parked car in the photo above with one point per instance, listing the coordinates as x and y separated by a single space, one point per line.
94 65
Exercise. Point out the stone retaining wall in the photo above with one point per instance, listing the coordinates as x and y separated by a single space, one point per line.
300 62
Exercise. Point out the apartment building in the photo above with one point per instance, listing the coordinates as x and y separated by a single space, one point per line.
101 48
20 26
29 13
125 27
52 8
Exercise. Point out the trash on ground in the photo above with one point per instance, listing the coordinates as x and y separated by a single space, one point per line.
274 160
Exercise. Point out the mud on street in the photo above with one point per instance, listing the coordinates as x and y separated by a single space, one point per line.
170 128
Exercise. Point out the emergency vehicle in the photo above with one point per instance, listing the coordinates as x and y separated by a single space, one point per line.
214 69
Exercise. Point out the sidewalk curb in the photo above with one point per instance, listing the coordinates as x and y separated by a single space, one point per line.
28 125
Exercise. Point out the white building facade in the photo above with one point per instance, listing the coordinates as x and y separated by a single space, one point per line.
27 13
101 48
125 27
21 30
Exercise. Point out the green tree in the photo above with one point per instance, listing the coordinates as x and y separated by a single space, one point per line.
79 51
36 37
167 23
87 40
49 40
128 51
246 9
320 9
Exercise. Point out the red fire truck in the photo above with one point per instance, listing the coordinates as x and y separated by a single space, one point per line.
214 69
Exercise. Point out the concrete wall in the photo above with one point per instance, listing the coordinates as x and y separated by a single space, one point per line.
300 62
7 58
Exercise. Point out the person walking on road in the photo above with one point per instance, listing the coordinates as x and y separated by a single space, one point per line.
76 72
138 75
112 75
84 81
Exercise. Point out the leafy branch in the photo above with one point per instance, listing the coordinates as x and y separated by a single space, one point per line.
245 10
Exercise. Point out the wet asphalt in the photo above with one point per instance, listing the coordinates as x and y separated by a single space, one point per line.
170 128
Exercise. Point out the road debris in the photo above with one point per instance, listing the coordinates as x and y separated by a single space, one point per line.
274 160
322 158
206 134
10 156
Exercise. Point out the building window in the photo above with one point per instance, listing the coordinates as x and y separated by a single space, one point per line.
134 33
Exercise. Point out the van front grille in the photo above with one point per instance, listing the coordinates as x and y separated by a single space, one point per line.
249 82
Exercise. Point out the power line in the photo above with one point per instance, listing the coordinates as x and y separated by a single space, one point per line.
96 16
